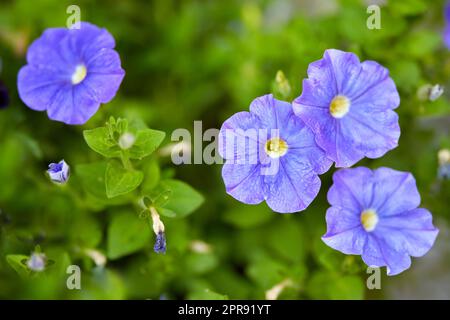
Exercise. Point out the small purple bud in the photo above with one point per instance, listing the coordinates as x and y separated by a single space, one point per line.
36 262
59 172
160 243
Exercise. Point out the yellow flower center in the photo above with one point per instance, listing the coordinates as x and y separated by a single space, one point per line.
369 219
276 147
79 74
339 106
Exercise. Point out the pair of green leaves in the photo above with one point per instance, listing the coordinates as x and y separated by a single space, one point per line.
121 178
105 140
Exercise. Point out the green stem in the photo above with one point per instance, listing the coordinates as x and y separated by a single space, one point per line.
126 160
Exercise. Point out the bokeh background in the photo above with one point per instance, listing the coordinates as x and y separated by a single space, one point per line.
205 60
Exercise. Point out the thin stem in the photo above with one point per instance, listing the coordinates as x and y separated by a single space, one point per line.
126 160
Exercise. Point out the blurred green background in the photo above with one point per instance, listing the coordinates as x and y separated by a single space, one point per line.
205 60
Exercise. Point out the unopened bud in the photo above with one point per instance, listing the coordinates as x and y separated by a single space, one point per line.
37 262
126 140
430 92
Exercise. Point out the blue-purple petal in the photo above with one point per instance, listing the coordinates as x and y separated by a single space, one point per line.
46 82
370 128
350 189
244 182
401 229
378 253
412 231
294 186
394 192
289 182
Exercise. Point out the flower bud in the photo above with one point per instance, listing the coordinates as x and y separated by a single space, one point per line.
126 140
59 172
160 243
158 228
430 92
37 262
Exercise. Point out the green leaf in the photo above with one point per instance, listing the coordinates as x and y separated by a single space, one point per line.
421 43
152 175
244 216
126 234
266 271
206 294
406 74
101 285
120 181
326 285
16 262
408 8
100 141
183 199
166 212
147 140
328 258
200 263
286 238
92 178
86 232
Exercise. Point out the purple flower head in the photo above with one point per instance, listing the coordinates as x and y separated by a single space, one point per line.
59 172
446 34
4 96
160 243
37 262
348 105
271 155
70 72
375 214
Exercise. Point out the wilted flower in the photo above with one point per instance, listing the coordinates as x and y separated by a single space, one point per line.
59 172
160 243
271 155
70 72
37 262
159 230
349 106
374 214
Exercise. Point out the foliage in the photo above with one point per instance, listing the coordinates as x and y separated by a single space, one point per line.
186 61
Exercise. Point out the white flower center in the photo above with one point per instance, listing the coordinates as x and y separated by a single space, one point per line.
339 106
276 147
369 219
79 74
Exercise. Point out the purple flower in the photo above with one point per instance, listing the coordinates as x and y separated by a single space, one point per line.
271 155
349 105
37 262
59 172
160 243
70 72
374 214
446 34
